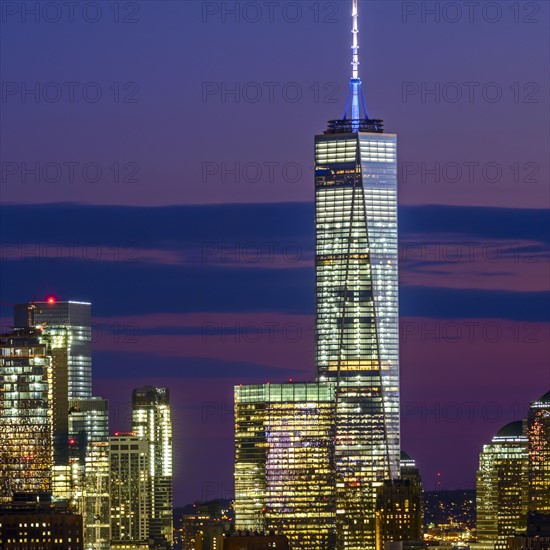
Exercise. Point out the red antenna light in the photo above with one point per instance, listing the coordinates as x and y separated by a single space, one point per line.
51 299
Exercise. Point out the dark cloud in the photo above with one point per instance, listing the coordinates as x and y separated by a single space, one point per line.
229 258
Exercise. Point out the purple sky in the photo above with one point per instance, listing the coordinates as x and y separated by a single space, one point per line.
205 252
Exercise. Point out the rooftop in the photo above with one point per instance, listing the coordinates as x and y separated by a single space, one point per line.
513 429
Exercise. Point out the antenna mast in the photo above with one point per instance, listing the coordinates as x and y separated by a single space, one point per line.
355 44
355 96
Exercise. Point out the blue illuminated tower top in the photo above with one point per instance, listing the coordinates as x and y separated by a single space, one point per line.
353 120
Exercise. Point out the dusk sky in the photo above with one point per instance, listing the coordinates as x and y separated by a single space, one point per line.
173 188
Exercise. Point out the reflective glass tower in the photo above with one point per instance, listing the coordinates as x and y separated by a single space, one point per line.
357 347
68 324
357 325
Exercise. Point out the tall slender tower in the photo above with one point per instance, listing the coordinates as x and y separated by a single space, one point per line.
151 421
357 327
357 356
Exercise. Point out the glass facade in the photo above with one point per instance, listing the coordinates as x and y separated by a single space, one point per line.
538 426
69 324
284 481
26 449
88 421
151 420
357 325
501 488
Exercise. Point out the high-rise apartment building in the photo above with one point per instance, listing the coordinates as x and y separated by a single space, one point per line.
538 431
151 421
129 490
502 488
284 475
26 414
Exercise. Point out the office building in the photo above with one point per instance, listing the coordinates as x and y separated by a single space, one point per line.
501 487
66 328
357 328
537 536
399 507
151 421
284 475
399 515
129 490
255 541
26 414
88 421
96 505
78 419
538 431
32 522
409 469
201 531
357 324
70 323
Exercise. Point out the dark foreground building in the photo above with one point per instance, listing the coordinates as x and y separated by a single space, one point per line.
537 536
399 512
33 522
255 541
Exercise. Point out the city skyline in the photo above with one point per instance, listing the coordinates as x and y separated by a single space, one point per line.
194 289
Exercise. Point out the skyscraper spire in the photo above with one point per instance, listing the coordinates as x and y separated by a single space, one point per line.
355 95
355 44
